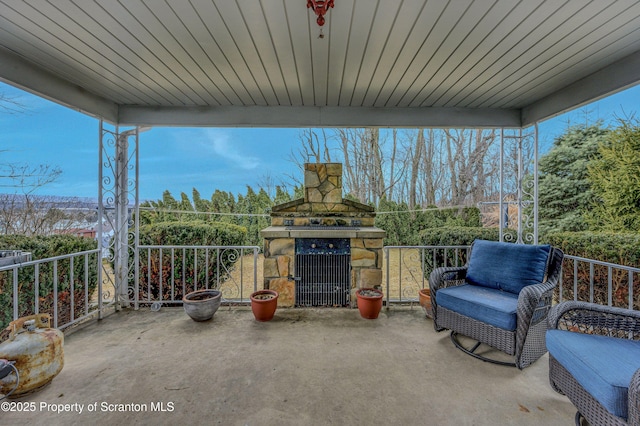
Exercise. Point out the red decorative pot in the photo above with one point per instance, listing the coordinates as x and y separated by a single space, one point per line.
369 302
264 304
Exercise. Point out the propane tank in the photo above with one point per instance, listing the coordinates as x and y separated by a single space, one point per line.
37 351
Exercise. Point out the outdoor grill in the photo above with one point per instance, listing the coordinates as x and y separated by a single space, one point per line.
321 248
323 272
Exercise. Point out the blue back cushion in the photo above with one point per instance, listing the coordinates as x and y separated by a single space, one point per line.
507 266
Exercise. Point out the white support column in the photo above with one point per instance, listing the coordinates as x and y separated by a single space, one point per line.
100 230
519 186
535 184
118 158
121 263
501 220
519 183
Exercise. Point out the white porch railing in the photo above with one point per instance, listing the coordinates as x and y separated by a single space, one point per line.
605 283
407 268
68 287
582 279
79 286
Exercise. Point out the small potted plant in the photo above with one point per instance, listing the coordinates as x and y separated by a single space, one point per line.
369 302
424 296
264 304
200 305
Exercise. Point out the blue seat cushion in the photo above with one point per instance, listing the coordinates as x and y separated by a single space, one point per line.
602 365
507 266
491 306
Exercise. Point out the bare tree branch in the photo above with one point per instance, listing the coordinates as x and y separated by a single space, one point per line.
10 105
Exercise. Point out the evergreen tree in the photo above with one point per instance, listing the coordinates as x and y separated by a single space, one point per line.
282 196
251 206
168 200
615 179
223 202
201 205
298 192
186 206
565 193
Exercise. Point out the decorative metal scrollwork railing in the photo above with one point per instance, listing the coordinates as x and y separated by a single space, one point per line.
167 273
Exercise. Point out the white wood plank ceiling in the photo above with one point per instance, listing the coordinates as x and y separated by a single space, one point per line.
261 62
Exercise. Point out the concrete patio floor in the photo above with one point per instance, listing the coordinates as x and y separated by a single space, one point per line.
305 367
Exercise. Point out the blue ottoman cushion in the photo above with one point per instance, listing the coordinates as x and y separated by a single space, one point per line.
602 365
491 306
507 266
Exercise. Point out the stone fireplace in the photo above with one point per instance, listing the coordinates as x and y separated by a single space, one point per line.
321 248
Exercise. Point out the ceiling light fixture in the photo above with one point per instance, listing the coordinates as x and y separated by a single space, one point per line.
320 7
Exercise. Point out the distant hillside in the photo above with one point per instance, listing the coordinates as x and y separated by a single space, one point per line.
50 201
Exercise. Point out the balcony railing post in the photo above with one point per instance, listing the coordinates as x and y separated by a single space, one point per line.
71 289
36 288
55 293
255 269
386 256
16 299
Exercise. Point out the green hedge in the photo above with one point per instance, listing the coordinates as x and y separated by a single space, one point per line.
43 247
192 233
622 249
404 227
196 233
457 235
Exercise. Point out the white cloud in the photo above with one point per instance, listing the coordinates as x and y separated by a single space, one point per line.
221 145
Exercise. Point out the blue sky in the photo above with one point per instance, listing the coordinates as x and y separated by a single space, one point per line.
179 159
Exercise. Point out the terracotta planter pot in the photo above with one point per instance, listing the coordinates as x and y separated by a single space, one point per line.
264 304
200 305
369 302
425 301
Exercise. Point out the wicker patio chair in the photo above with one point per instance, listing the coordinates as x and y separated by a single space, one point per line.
594 359
500 298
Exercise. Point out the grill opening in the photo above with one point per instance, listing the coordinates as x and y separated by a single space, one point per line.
323 272
321 228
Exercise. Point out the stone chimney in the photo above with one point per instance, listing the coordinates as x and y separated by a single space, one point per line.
323 183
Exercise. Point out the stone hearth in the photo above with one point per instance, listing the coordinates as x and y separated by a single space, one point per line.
322 214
